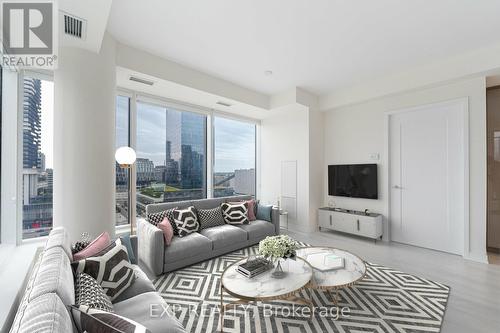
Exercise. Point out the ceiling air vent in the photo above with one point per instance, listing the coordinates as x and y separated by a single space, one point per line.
223 103
74 26
143 81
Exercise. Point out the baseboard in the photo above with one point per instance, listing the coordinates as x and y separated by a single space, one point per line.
301 228
482 258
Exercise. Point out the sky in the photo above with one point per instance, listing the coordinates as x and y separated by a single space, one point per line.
234 140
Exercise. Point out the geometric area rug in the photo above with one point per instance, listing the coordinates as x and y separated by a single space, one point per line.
386 300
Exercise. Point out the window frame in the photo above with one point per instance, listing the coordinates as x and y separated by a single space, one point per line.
210 114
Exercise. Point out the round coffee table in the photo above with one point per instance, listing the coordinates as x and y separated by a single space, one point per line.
264 287
332 280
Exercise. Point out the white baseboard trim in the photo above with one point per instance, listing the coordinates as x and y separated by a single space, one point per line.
482 258
301 227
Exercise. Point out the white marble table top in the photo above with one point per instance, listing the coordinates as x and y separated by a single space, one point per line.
354 268
298 274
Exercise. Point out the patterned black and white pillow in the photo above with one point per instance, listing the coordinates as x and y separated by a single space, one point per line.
235 213
209 218
157 218
186 221
90 293
110 267
87 319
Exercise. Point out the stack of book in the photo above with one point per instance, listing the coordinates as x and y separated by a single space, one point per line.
254 267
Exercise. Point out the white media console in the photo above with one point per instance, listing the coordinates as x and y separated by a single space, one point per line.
351 221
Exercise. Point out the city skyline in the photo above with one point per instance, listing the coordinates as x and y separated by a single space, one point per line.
235 140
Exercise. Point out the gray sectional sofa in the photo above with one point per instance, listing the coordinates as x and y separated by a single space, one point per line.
50 288
199 246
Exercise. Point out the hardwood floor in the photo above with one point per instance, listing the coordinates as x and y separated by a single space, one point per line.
474 303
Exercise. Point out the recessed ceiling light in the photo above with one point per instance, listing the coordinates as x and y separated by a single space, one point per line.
268 73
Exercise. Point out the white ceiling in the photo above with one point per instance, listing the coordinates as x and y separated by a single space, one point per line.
320 45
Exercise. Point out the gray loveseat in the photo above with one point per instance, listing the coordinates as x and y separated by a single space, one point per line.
50 288
198 246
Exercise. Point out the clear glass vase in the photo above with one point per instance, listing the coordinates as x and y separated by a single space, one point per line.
278 272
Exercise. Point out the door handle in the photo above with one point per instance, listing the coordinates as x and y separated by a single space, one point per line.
330 220
357 224
397 187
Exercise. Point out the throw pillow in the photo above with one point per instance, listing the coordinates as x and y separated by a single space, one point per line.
79 245
110 267
264 212
209 218
168 231
130 251
90 293
251 210
156 218
96 246
235 213
186 221
92 320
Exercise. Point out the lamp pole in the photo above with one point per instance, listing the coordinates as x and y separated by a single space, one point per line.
125 157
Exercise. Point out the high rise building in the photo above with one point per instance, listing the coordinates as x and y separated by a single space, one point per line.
145 170
244 181
41 161
31 122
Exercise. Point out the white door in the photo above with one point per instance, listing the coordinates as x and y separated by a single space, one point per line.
427 150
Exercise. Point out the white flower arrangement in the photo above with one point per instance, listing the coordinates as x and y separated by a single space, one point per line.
277 247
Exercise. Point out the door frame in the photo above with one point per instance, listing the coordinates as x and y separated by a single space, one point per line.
464 103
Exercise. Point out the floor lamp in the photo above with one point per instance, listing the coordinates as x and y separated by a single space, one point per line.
125 157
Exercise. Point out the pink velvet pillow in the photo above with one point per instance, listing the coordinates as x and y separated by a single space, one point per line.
96 246
251 210
168 231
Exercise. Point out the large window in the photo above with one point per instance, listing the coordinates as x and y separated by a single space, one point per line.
122 174
234 157
37 174
171 155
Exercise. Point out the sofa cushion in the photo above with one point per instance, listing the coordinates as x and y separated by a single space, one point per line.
54 276
208 203
89 292
159 217
97 245
45 314
186 221
87 319
235 213
264 212
111 268
225 235
59 237
185 247
209 218
141 285
258 229
148 309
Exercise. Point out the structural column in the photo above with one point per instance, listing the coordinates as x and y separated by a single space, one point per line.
84 140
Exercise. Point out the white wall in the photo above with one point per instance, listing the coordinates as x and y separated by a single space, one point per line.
84 140
353 132
285 137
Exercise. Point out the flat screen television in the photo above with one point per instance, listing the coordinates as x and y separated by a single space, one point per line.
353 180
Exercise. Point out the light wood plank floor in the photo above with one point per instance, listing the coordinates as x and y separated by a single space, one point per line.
474 303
